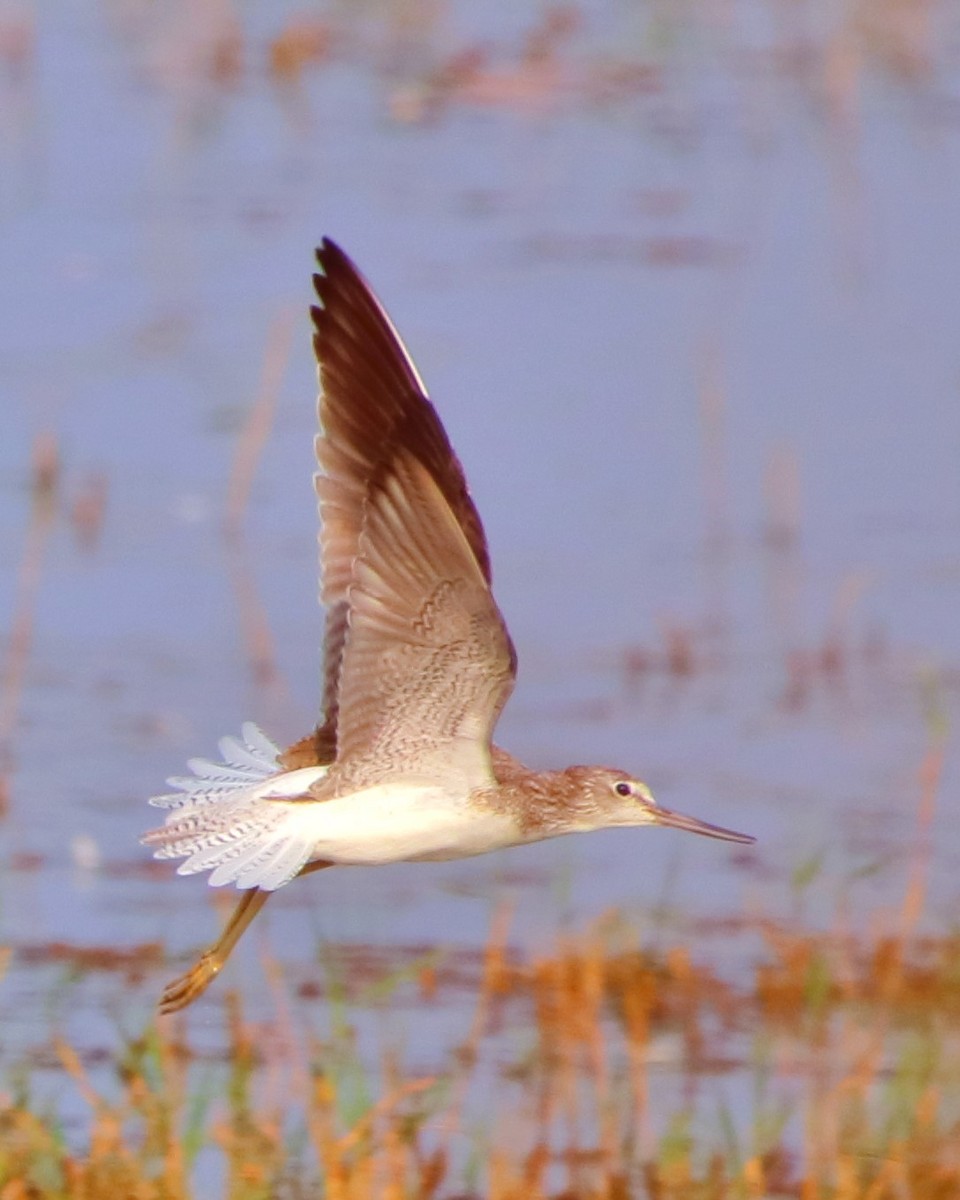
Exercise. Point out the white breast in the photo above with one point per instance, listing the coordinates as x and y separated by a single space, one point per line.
404 823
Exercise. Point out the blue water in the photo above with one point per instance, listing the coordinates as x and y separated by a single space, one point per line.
629 314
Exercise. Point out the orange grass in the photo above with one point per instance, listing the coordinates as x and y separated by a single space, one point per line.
839 1016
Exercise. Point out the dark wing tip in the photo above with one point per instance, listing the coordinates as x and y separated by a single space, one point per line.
328 251
369 381
340 285
334 262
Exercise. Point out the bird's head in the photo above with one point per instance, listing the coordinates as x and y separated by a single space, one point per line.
608 797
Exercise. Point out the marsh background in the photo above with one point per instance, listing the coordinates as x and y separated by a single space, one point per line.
683 281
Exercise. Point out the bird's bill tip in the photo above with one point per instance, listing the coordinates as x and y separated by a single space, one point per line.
676 820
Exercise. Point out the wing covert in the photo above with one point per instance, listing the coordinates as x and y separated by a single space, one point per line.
427 661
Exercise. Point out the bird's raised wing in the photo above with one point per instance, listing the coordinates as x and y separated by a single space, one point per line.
427 663
372 407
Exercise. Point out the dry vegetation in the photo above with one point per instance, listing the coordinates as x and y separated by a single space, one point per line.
847 1047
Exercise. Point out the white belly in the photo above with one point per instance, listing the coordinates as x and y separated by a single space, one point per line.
403 823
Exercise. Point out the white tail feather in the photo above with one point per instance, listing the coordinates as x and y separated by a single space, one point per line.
247 762
257 741
242 819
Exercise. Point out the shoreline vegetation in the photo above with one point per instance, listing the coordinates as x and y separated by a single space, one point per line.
831 1070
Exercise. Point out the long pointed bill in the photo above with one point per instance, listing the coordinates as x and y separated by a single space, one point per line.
675 820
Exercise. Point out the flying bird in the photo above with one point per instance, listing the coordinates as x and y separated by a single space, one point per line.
418 665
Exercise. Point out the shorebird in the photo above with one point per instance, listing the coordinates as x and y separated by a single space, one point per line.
418 665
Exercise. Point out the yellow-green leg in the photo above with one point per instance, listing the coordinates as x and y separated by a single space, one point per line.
193 983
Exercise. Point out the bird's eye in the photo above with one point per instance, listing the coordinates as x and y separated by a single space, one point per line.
623 789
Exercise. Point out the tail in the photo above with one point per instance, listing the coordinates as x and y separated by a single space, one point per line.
239 819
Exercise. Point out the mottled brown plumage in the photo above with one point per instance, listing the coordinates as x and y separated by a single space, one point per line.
418 665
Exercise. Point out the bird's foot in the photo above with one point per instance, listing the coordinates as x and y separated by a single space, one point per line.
187 987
